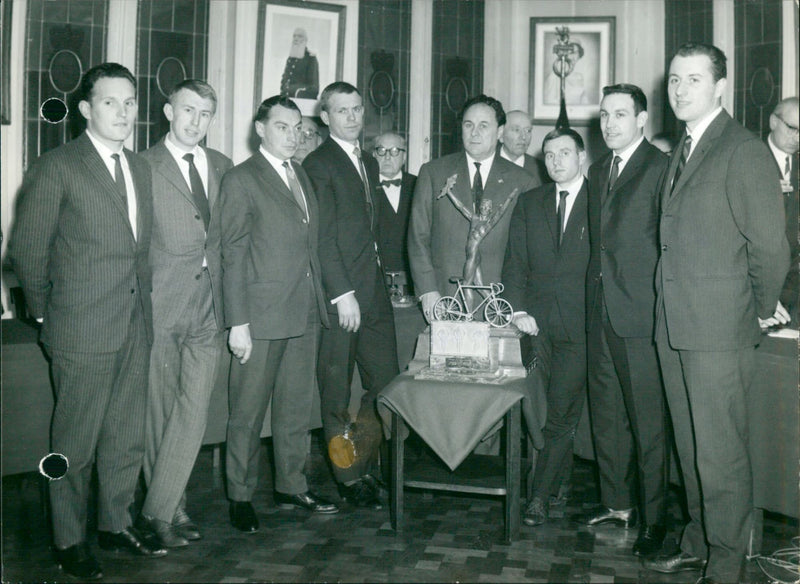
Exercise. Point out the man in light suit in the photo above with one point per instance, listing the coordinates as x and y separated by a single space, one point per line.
187 306
362 321
274 304
515 141
626 398
438 231
79 249
783 143
395 189
721 269
544 275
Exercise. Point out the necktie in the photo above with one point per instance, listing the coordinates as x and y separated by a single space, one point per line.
392 183
562 214
198 191
119 178
295 187
363 172
477 188
687 148
614 174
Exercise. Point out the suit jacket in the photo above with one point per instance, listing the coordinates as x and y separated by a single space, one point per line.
347 239
623 232
74 252
722 261
393 227
270 267
535 168
438 232
179 240
541 278
791 205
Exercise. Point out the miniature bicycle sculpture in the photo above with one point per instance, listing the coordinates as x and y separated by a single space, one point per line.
496 311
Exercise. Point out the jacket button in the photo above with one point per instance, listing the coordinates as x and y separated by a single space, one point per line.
197 277
133 291
308 274
304 220
664 247
197 217
602 247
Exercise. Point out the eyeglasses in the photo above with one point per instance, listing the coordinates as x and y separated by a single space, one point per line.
307 134
395 151
792 129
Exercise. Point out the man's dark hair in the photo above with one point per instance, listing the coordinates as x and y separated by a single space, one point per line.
101 71
333 88
262 113
636 93
719 62
558 132
499 112
198 86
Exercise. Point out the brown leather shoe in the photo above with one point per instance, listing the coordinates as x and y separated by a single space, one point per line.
308 501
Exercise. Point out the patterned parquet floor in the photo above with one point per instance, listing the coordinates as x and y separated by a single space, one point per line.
447 538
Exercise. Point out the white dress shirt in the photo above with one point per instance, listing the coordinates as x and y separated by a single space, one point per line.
106 154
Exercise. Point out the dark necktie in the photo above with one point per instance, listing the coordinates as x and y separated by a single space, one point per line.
198 191
368 198
477 187
119 178
392 183
562 214
612 178
295 187
687 148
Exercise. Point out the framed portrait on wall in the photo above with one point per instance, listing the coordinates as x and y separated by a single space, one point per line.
579 50
301 48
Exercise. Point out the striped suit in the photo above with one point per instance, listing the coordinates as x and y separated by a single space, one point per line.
84 272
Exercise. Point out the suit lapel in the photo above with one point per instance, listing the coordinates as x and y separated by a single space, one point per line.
462 188
169 169
577 217
142 212
703 147
214 176
272 180
550 215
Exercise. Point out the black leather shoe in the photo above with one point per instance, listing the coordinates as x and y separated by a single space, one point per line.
308 501
243 516
360 494
164 532
650 540
184 525
78 561
378 488
680 562
130 540
626 518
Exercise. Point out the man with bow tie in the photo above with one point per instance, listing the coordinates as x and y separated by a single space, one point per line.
395 190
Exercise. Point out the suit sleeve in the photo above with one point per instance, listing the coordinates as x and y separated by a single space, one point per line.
515 265
35 229
419 234
754 195
335 279
235 226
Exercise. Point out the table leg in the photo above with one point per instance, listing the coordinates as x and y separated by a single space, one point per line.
512 509
396 487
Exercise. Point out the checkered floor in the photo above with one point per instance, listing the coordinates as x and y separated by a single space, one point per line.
446 539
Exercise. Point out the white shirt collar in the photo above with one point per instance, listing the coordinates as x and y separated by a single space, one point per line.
346 146
398 175
574 186
780 155
625 155
519 161
701 127
276 162
104 151
178 153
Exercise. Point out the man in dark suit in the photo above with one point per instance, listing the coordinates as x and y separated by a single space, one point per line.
438 232
362 322
187 306
273 303
395 189
514 143
626 398
544 275
721 269
783 143
79 249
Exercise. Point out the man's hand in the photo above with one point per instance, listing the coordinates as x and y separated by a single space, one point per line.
240 343
429 299
349 313
526 323
781 317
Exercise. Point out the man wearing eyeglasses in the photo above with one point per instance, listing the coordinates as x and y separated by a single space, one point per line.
395 189
308 140
361 319
783 143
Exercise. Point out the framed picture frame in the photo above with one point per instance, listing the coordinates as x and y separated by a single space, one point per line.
5 63
300 49
581 47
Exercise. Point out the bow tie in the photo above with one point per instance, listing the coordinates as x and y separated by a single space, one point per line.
392 183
